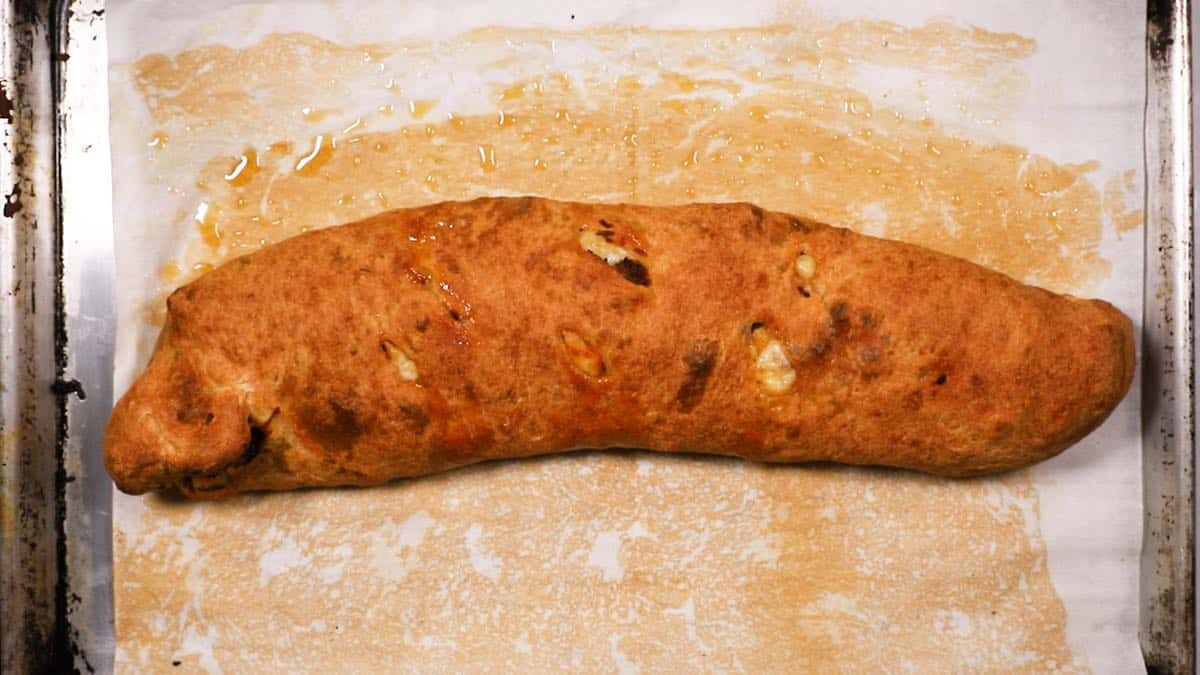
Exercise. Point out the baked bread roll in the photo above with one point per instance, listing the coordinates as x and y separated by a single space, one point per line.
429 338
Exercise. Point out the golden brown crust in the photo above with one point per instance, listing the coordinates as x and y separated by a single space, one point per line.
428 338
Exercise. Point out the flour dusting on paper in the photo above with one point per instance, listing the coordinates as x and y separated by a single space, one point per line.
714 565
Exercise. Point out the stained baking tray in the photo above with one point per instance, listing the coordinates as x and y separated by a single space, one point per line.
57 328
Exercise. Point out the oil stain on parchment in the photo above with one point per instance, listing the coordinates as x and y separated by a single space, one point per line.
613 561
596 563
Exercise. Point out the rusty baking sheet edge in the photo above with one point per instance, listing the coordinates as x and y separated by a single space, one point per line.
30 505
1167 619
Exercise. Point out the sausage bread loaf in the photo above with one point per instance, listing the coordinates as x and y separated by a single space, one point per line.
429 338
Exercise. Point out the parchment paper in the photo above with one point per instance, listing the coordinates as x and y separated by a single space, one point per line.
1009 134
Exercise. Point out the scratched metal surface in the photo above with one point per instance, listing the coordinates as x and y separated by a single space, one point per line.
29 508
87 329
56 334
57 325
1167 619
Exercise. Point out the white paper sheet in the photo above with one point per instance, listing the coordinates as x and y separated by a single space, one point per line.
1076 97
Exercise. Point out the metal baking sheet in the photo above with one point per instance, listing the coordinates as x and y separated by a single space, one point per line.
1167 621
29 556
58 322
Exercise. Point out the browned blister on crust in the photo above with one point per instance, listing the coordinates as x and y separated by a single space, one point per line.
428 338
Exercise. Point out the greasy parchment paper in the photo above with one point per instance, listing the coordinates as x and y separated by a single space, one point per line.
1006 134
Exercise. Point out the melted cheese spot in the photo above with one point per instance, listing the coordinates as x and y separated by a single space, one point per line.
585 358
774 370
600 247
404 365
806 266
